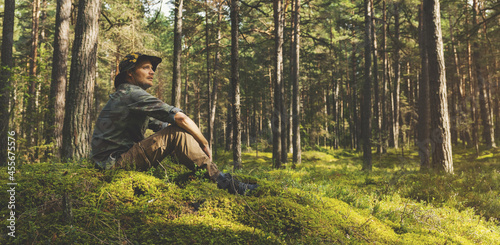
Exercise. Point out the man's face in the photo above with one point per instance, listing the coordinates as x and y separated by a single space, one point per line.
142 74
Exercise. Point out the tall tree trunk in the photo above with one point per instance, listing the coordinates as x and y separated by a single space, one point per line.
176 80
472 91
397 79
5 73
376 107
186 106
283 108
209 80
423 100
229 122
459 91
367 99
59 75
455 88
336 107
297 151
385 121
198 101
213 99
80 96
354 96
483 87
278 96
440 123
496 99
31 110
235 81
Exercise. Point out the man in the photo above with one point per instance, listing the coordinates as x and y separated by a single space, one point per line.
118 140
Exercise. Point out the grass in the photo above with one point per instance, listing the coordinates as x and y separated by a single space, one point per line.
326 199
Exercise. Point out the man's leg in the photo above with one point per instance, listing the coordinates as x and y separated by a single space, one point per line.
173 141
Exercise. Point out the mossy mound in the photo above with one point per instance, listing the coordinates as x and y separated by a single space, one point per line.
318 203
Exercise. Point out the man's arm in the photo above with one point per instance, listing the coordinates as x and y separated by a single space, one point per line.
186 123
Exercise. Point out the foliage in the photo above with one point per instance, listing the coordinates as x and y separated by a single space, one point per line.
325 200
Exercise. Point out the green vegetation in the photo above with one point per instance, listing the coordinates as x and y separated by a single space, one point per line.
325 200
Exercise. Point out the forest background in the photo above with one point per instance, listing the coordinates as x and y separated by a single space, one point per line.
406 77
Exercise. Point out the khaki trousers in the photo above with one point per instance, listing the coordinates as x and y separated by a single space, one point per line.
170 141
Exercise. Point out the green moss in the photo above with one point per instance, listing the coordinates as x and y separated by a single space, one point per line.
325 200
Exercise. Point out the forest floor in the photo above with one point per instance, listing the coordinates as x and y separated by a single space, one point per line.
326 199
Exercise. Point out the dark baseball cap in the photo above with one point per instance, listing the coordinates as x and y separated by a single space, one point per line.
130 60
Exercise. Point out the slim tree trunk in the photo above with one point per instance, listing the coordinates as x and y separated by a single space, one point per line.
176 80
423 100
215 88
472 91
229 123
209 80
337 113
367 105
385 123
483 87
5 73
459 91
297 151
278 66
440 124
283 108
198 101
80 96
354 101
397 79
31 110
59 74
235 81
376 107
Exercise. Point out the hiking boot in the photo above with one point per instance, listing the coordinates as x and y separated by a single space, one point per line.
233 186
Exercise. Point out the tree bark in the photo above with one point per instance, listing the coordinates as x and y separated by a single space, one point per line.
59 75
31 109
213 100
176 80
235 82
209 80
229 122
283 108
376 107
385 121
423 100
278 96
366 109
459 91
472 91
297 151
397 79
354 90
5 73
440 124
483 87
77 119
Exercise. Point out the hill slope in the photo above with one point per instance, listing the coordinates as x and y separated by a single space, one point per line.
325 200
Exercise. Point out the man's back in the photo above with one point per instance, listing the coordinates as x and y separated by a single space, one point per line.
124 120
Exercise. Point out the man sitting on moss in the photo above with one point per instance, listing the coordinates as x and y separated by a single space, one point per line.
118 140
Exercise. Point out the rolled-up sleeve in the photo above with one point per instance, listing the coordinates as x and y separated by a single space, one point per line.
152 106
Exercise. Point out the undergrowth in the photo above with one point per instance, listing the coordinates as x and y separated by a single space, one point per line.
327 199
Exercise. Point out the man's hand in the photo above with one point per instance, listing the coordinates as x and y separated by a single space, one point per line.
207 150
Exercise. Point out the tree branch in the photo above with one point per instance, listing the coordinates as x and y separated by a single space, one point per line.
109 21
